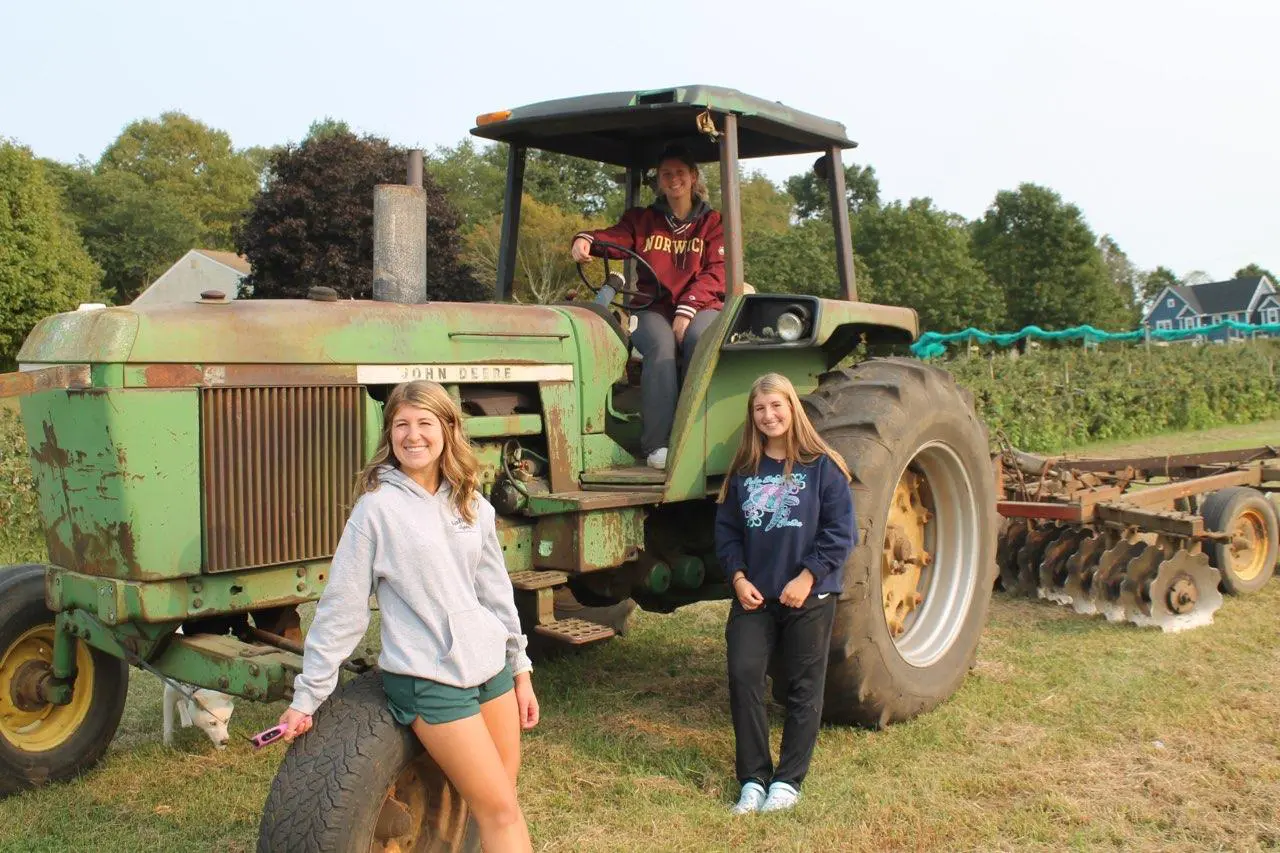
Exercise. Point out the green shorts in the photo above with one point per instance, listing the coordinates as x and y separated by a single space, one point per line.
410 697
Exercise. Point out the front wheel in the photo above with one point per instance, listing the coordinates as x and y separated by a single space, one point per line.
359 782
41 742
918 583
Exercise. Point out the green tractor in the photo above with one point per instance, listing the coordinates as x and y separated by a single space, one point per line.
194 463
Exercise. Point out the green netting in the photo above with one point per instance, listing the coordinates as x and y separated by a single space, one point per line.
934 344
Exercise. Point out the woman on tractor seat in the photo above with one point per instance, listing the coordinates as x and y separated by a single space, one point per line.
682 239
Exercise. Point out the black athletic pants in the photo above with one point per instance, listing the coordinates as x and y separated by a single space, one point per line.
802 636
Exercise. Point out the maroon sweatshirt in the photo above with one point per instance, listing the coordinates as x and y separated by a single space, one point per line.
687 255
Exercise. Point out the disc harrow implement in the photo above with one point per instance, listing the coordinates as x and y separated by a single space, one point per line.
1154 541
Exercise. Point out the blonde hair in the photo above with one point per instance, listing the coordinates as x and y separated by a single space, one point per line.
803 444
458 464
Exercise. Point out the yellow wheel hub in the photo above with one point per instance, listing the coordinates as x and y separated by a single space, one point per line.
25 722
1248 546
904 555
421 811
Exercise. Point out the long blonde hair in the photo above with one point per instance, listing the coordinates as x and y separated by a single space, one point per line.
458 464
803 444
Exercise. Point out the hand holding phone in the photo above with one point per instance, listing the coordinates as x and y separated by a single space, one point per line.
269 736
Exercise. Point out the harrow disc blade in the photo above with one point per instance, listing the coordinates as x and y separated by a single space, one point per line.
1138 575
1183 594
1081 567
1105 590
1030 555
1053 566
1007 552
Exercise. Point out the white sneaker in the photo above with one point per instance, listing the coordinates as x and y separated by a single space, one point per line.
781 797
750 800
658 459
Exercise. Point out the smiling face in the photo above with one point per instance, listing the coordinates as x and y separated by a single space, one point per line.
771 414
676 179
417 440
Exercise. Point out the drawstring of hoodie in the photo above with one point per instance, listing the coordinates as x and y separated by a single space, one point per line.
679 227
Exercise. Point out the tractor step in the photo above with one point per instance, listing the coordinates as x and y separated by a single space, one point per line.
624 475
575 632
531 580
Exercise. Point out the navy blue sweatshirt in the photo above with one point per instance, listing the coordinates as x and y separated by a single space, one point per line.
772 529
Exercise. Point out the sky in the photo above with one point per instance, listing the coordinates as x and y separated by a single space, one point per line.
1159 120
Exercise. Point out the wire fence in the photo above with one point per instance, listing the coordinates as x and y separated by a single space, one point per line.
934 344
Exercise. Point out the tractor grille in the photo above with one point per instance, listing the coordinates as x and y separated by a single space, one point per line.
278 468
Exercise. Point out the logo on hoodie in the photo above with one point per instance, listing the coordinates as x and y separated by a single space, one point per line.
773 496
662 243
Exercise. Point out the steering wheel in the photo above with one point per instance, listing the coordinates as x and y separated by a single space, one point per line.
626 296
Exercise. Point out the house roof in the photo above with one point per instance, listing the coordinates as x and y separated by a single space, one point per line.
239 263
1219 297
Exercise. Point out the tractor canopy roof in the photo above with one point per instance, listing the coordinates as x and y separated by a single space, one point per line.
632 128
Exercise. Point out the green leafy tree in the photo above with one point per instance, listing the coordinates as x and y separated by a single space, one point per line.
919 256
545 271
1124 276
1156 280
194 165
313 222
765 208
44 267
133 231
813 201
1040 252
1253 271
801 259
475 177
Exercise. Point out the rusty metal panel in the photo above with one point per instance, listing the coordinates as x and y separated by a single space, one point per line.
1044 510
45 379
1169 492
588 541
279 465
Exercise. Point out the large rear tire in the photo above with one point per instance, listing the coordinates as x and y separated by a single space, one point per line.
918 583
41 742
359 782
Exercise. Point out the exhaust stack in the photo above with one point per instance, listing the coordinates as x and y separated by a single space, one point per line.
400 238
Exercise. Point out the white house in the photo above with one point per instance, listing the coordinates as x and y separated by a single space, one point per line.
195 272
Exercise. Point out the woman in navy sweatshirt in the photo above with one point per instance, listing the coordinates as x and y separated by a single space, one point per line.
784 529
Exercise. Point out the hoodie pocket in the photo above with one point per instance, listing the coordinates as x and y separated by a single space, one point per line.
477 646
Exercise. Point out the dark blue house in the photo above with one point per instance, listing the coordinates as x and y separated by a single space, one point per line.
1245 300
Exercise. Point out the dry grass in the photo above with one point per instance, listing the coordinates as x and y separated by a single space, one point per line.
1069 734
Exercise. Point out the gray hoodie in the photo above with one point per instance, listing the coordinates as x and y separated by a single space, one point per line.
447 606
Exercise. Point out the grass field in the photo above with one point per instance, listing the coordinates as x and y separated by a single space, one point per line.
1070 733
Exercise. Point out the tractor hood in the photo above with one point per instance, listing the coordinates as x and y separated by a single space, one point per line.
306 332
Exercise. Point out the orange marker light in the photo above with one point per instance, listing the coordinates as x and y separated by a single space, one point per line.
490 118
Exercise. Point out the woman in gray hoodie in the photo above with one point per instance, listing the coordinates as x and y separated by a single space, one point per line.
423 539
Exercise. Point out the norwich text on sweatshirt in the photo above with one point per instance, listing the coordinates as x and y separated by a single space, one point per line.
446 601
772 527
687 255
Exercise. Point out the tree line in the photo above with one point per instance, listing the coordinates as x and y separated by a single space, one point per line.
302 214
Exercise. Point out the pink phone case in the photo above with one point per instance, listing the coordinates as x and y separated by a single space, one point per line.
269 736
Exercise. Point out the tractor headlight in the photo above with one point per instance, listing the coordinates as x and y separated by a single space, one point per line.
792 322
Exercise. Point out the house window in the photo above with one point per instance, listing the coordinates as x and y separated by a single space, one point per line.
1164 324
1273 315
1171 302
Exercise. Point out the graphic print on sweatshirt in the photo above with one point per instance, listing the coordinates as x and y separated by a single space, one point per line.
774 496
